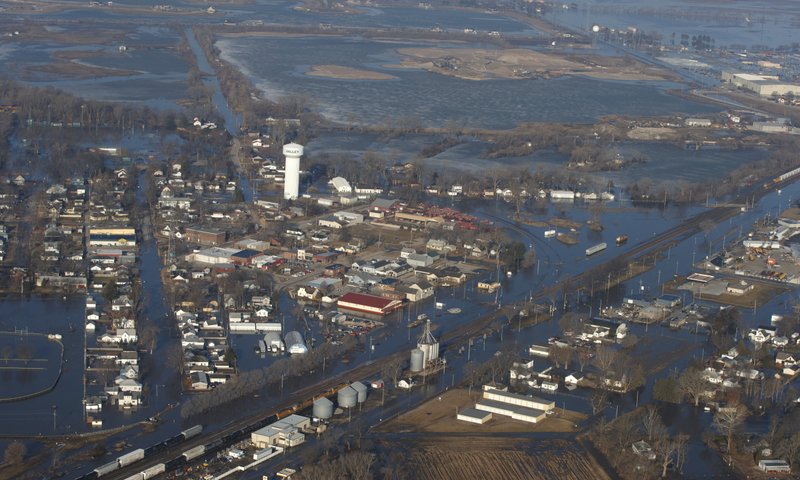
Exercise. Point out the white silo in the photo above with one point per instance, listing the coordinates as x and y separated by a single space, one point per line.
291 183
428 344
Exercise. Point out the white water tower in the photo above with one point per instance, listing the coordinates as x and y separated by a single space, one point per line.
291 183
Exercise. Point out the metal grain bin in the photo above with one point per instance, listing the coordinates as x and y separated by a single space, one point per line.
323 408
417 360
347 397
361 390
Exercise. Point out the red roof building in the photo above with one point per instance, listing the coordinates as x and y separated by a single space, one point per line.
363 303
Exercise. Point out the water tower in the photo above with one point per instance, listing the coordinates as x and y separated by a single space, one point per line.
291 183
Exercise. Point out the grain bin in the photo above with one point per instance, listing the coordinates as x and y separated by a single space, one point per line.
347 397
361 390
323 408
417 360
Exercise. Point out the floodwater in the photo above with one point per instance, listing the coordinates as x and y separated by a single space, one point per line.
433 99
730 23
158 76
663 160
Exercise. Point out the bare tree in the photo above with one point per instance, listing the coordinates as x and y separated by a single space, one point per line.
693 384
560 355
358 464
605 358
728 419
651 421
598 400
392 370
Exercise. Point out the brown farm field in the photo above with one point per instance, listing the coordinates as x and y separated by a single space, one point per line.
436 446
498 458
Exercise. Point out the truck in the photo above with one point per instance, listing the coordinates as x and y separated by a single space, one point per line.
597 248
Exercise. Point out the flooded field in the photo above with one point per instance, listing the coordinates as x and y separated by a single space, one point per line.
429 98
125 63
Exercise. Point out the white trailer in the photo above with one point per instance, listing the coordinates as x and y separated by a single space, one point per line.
597 248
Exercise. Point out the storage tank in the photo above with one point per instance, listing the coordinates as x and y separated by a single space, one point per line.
361 390
417 360
323 408
347 397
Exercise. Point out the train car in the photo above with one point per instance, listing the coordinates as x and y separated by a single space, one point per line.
107 468
136 476
192 432
89 476
153 471
195 452
131 457
175 462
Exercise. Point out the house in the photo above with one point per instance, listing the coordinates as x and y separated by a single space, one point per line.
762 334
522 370
549 386
574 378
419 290
199 381
785 359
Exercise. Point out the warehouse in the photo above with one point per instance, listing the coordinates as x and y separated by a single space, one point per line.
516 412
212 256
370 304
473 415
204 236
286 432
520 400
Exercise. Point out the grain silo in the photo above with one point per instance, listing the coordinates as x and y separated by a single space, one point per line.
428 344
347 397
361 390
323 408
417 360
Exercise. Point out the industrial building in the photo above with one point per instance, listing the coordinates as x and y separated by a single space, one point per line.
764 85
205 236
291 184
370 304
285 433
